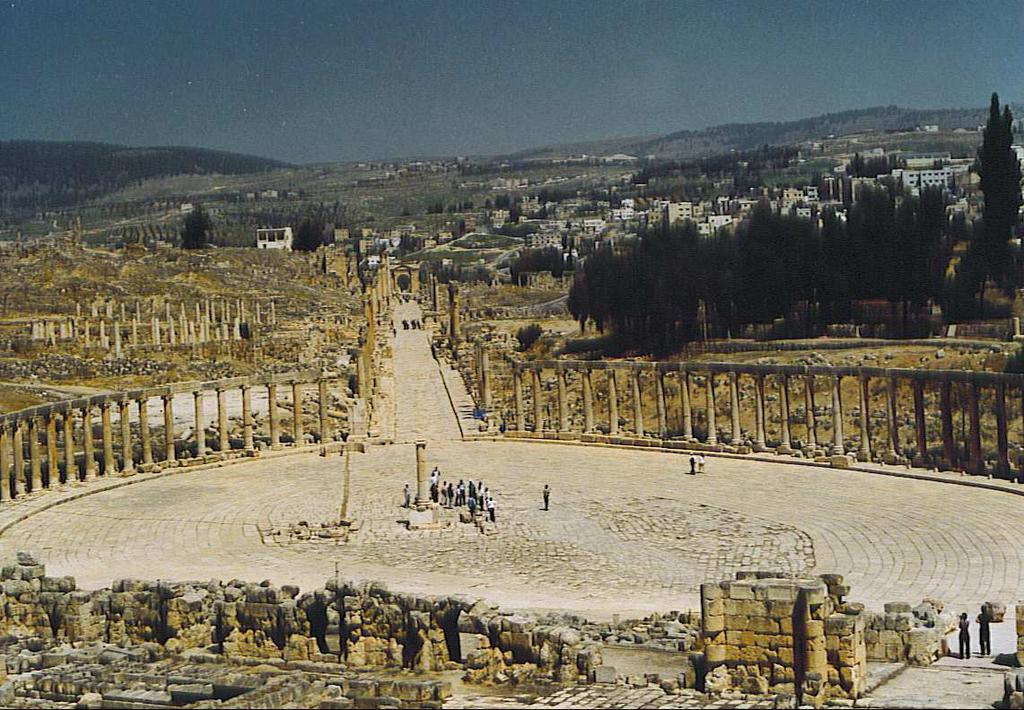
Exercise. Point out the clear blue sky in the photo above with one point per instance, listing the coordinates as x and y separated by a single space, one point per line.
310 81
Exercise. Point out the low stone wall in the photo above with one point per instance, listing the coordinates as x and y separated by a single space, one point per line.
905 634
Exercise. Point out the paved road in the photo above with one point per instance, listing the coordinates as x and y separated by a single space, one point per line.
628 530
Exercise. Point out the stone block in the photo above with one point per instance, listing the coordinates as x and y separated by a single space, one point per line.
897 607
603 674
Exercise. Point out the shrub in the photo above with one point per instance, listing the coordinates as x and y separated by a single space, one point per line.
528 335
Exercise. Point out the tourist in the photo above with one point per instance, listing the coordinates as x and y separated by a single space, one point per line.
547 495
405 324
700 462
984 633
408 496
472 506
472 490
480 493
693 464
459 492
451 494
484 496
490 509
433 492
444 494
965 636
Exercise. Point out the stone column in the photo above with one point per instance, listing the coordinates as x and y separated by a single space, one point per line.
837 416
19 460
52 464
638 408
321 397
35 455
70 471
127 453
812 434
88 448
977 462
588 401
563 403
734 409
200 424
919 423
485 379
223 442
453 314
895 449
247 419
422 490
169 455
685 412
760 437
147 437
538 402
659 395
1003 463
865 419
517 387
786 445
709 385
5 461
613 402
297 413
108 439
275 435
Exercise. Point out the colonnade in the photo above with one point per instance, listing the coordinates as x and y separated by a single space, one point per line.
675 417
52 445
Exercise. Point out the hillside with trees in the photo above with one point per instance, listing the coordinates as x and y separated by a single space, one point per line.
47 174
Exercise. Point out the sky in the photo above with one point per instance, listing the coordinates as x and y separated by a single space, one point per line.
330 81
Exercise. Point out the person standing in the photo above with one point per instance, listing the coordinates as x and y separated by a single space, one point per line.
472 490
490 508
547 495
451 494
965 636
700 463
984 632
693 464
408 496
444 494
472 507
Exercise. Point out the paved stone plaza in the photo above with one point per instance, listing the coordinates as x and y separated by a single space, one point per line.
628 532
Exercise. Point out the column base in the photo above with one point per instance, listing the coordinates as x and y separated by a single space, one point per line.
784 450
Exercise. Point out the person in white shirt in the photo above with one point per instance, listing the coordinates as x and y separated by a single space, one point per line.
700 463
490 508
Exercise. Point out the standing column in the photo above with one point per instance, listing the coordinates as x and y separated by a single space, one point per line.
894 424
247 419
35 455
422 492
760 438
52 465
659 396
127 450
169 454
108 438
837 416
812 434
70 471
223 442
977 462
147 437
734 409
588 401
684 405
538 402
613 402
485 379
786 445
5 460
919 423
517 387
638 405
87 443
275 435
865 421
712 437
1003 464
563 404
321 396
946 414
199 429
19 460
297 413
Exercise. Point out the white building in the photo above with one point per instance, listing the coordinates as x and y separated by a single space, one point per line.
544 240
678 211
274 238
917 179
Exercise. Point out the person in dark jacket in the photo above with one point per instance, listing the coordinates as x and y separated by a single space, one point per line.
965 636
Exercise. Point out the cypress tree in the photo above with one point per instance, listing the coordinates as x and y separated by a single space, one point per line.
1000 183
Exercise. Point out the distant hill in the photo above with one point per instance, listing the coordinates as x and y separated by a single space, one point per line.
37 174
744 136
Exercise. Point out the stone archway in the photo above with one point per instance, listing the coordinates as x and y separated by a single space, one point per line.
406 279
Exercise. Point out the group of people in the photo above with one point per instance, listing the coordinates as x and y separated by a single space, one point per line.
984 633
411 324
474 495
696 464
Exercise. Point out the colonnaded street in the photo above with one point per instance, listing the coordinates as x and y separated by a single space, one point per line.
629 531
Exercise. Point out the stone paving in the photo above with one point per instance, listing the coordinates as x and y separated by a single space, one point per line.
629 531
